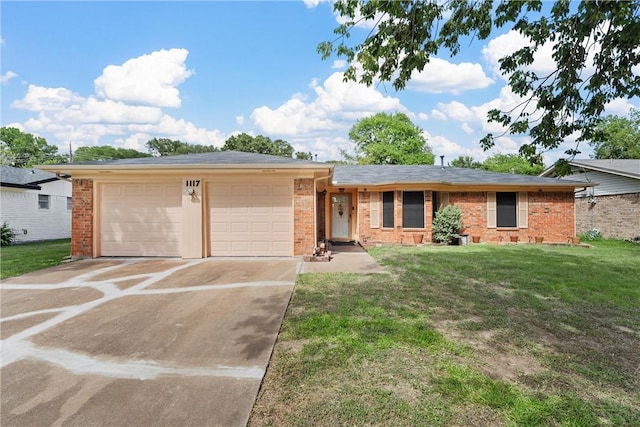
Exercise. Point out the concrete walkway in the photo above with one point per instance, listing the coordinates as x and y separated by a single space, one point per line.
345 258
140 342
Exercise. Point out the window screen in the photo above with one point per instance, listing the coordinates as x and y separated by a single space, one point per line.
387 209
43 201
506 209
413 209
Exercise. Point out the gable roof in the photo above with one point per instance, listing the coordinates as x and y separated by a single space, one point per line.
375 175
623 167
213 160
27 178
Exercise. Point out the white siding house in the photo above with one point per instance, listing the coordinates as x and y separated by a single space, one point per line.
35 204
613 206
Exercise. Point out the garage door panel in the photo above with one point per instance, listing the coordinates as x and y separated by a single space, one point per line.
259 223
141 219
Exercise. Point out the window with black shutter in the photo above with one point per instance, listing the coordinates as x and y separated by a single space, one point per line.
507 210
413 209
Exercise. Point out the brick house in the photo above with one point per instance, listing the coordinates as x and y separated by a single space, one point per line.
243 204
613 206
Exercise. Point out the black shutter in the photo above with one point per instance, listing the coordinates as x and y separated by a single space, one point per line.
387 209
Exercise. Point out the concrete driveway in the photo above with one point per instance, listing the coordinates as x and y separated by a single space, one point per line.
140 342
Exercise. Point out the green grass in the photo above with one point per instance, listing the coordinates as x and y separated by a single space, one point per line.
466 335
24 258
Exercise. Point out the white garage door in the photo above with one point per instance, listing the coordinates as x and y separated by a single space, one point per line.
251 219
141 219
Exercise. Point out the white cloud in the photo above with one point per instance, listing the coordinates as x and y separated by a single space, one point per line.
313 3
108 111
467 129
339 64
4 78
240 120
438 115
40 98
620 107
150 79
508 43
336 106
439 76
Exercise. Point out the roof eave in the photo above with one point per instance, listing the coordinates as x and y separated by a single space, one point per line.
69 168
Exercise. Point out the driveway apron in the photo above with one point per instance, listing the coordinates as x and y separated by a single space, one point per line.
140 341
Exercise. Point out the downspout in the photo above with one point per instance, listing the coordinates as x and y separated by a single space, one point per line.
315 203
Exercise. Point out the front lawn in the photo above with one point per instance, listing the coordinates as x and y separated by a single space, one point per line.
26 257
466 335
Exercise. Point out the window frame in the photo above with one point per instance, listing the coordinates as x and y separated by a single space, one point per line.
69 204
409 207
44 202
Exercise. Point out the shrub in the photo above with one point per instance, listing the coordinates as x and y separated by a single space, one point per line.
6 234
447 224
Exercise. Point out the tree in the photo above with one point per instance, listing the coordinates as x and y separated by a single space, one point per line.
105 152
617 137
511 163
304 155
168 147
599 36
465 162
389 139
258 144
22 150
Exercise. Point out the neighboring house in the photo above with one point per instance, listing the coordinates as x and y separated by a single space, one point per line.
243 204
35 204
613 206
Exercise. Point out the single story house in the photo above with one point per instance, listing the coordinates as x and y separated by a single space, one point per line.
243 204
612 207
35 204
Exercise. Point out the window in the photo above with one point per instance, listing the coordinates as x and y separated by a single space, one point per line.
387 209
506 210
69 203
413 209
43 201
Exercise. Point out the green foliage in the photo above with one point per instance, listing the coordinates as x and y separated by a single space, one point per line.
301 155
6 234
389 139
511 163
568 100
168 147
447 224
106 152
258 144
22 150
617 137
465 162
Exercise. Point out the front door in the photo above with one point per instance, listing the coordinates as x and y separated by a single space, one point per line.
340 216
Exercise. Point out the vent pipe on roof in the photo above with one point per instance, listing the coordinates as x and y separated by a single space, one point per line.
442 162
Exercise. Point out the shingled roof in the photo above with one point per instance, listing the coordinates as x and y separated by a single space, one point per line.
372 175
27 178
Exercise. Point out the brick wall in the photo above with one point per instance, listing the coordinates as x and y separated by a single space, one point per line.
615 216
303 233
550 215
82 219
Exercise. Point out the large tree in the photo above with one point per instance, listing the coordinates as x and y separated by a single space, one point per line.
511 163
617 137
105 152
21 149
258 144
465 162
169 147
389 139
595 49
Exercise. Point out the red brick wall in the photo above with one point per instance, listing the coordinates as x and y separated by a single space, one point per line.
615 216
303 233
82 219
551 215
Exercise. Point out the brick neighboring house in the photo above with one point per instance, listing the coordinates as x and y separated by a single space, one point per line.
35 204
243 204
613 206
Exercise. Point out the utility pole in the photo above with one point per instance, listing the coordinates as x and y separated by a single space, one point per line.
70 153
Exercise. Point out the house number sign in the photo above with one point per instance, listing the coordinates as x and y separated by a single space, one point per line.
192 183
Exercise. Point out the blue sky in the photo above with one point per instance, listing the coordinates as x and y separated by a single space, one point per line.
121 73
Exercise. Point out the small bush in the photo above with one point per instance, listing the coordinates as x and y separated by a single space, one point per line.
447 224
6 234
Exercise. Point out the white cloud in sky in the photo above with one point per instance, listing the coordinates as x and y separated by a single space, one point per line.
240 119
440 76
508 43
619 107
150 79
336 103
467 129
4 78
339 64
39 98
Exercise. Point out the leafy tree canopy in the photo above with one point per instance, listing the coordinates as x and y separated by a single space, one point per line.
258 144
168 147
595 47
617 137
511 163
105 152
465 162
22 150
389 139
301 155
